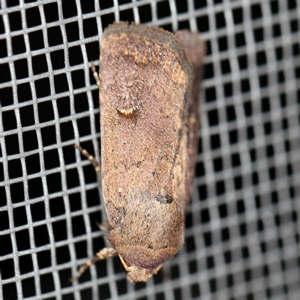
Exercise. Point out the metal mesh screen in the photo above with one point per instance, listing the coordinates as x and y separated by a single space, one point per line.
242 227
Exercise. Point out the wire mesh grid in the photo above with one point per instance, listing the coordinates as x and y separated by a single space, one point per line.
242 227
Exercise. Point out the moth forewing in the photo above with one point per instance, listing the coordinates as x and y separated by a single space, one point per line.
146 96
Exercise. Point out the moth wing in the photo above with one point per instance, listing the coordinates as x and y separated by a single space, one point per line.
141 67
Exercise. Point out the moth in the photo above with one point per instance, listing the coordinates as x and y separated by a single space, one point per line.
149 83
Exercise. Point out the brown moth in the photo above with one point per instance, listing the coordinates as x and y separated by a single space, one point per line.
149 83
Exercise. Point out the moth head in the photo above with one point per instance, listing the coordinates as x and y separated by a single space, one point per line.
139 274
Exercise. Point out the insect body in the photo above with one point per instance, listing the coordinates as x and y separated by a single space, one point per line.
147 162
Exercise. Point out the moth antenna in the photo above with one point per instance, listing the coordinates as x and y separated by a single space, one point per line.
101 255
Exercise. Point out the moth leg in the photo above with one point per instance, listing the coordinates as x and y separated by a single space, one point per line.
91 159
101 255
95 73
124 263
157 269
